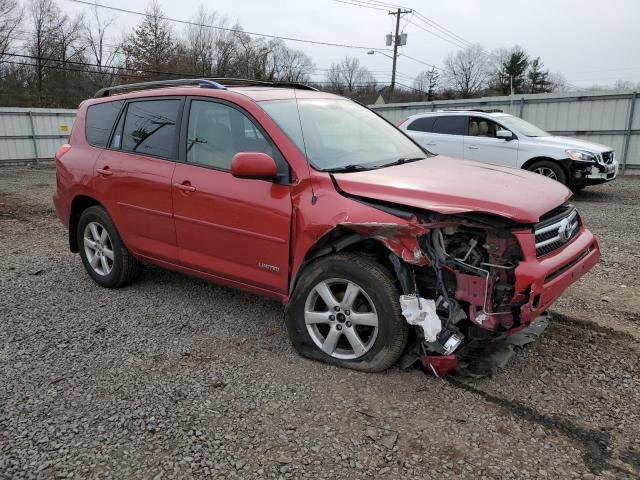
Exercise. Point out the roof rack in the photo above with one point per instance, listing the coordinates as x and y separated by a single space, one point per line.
215 83
482 110
244 82
200 82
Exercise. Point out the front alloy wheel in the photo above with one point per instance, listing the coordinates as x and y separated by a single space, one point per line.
341 319
345 310
550 169
546 172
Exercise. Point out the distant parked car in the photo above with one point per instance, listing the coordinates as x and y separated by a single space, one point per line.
502 139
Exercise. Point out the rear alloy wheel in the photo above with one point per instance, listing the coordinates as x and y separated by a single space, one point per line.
550 170
98 248
103 253
345 310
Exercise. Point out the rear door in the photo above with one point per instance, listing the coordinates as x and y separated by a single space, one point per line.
482 145
446 137
235 229
134 175
421 129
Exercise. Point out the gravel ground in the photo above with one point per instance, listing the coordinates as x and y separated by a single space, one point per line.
174 377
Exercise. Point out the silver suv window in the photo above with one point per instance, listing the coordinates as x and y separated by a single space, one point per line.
451 125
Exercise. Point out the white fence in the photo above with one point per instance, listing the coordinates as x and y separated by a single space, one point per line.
28 134
602 117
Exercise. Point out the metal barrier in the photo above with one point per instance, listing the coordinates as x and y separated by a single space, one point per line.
28 135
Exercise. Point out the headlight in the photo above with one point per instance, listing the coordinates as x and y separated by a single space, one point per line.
581 155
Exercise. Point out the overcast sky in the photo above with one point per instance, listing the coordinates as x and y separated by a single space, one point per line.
589 42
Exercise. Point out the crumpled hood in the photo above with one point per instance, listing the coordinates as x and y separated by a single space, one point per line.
449 186
568 142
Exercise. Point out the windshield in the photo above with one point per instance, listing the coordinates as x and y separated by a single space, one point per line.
522 126
339 134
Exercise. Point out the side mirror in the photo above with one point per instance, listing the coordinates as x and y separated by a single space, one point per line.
505 134
256 165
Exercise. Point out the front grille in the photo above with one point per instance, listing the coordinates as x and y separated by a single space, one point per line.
556 230
608 157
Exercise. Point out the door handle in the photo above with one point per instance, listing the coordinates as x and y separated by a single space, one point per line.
472 147
185 186
105 171
431 144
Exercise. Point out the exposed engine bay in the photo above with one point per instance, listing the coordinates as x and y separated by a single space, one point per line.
470 281
459 290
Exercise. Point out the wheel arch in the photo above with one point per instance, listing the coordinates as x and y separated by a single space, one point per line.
78 205
340 239
531 161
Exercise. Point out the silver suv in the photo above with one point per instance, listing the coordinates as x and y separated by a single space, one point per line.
502 139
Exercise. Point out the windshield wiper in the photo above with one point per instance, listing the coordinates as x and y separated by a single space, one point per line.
346 168
400 161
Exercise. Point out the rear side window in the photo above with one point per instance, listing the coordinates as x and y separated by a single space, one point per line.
424 124
450 125
150 128
100 119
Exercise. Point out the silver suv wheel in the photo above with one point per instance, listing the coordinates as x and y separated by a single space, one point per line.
546 172
341 319
98 248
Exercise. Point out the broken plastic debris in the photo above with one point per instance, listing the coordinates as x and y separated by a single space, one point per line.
422 312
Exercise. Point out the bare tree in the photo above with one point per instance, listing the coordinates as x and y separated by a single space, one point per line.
558 83
427 82
102 54
200 40
46 20
10 18
281 63
623 85
349 75
466 70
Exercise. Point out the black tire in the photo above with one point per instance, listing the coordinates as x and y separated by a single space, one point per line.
577 189
558 171
124 267
381 288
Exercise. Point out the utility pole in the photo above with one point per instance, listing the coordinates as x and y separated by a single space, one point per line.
396 40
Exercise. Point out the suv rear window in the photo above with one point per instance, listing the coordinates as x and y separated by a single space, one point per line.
100 119
450 125
150 128
424 124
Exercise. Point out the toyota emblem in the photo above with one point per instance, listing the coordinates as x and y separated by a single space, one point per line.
564 231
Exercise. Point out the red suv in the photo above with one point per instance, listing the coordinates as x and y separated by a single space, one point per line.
375 246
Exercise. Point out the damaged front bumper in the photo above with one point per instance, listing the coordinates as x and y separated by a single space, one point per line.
484 358
544 279
586 173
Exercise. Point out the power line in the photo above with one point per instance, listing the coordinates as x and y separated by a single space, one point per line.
452 42
359 5
215 27
443 29
86 64
454 38
424 63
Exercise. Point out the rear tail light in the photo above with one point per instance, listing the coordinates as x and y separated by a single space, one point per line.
401 122
62 151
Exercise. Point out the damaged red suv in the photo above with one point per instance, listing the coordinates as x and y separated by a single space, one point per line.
376 247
